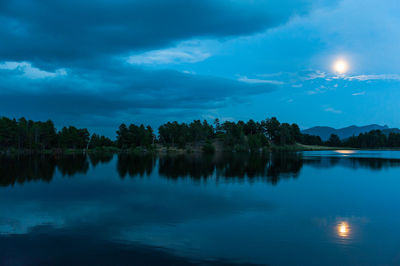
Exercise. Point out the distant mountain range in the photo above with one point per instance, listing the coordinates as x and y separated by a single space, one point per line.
346 132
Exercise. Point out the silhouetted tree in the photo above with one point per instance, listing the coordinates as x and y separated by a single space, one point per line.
334 141
310 139
272 127
134 136
73 138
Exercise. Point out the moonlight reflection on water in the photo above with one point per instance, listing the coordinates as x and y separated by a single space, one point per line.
343 230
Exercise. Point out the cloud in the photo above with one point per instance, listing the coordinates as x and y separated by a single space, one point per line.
72 32
374 77
260 81
358 93
297 85
297 77
189 72
27 70
186 52
85 61
309 75
319 90
332 110
117 91
318 75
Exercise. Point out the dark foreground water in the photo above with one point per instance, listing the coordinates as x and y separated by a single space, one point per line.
311 208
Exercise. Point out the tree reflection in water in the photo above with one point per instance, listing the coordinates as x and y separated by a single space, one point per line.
270 167
100 158
25 169
21 169
133 165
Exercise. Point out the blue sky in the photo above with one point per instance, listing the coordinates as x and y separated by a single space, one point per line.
97 64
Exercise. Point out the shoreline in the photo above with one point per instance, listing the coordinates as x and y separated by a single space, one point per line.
175 150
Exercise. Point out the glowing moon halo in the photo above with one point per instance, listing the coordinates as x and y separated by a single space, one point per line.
341 66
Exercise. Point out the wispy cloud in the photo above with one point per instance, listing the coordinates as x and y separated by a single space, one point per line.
260 81
269 75
297 85
310 75
294 79
29 71
358 93
332 110
189 72
319 90
374 77
186 52
315 75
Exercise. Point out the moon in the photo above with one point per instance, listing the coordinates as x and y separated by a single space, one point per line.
341 66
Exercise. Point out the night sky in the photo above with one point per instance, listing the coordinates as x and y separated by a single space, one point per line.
98 63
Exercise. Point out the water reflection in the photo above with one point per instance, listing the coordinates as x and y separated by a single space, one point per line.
21 169
72 164
343 229
108 215
269 167
133 165
100 158
351 162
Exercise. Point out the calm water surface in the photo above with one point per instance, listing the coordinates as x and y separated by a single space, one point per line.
310 208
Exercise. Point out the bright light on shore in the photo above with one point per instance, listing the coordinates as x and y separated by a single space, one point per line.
346 151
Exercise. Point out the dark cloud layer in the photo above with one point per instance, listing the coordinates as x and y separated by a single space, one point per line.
70 31
104 93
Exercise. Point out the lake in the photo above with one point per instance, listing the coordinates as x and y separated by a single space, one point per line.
307 208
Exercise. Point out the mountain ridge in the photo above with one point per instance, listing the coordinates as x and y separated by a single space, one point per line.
325 131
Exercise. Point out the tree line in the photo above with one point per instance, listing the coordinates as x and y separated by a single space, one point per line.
372 139
23 134
233 135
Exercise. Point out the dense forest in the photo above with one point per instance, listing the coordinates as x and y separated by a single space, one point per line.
25 134
31 135
372 139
